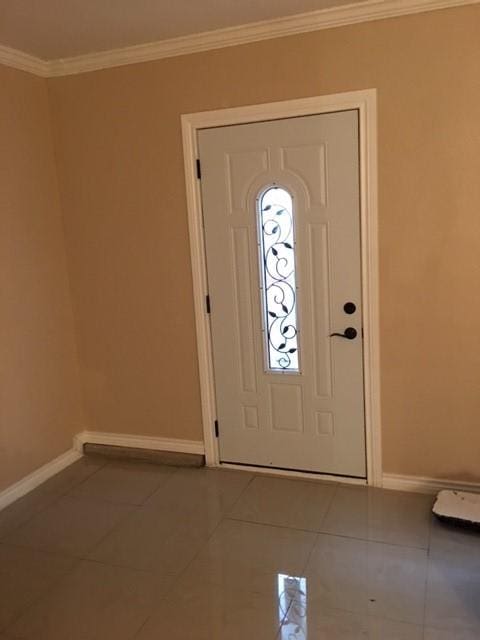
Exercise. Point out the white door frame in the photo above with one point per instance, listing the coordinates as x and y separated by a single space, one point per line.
365 102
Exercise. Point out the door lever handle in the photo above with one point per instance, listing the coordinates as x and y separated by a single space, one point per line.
349 334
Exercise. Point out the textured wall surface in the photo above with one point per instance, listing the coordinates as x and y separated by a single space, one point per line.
39 383
118 145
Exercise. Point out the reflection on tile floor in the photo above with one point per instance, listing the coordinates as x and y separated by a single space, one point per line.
132 551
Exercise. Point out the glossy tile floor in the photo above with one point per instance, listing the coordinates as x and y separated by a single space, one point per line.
116 550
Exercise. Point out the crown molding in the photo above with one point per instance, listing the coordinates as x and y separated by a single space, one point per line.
23 61
266 30
366 11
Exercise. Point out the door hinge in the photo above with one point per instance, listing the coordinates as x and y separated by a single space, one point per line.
216 428
199 170
207 303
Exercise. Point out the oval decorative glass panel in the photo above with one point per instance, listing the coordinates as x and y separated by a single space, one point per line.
279 291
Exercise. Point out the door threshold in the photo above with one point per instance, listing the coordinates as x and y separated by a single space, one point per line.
293 473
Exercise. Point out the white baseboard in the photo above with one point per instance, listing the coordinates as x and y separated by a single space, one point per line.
37 477
416 484
138 442
419 484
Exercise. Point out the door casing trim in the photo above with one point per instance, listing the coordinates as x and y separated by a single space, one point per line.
365 102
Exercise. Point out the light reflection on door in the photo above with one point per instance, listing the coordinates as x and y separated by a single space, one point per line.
292 607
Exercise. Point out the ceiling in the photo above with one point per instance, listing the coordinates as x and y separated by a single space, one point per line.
54 29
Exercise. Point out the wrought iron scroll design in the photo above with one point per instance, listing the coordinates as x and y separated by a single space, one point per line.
277 245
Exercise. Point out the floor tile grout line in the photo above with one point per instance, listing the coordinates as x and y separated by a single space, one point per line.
72 491
327 533
211 534
337 487
330 505
61 554
126 567
269 524
48 590
138 505
78 560
162 486
105 501
384 617
47 552
427 571
85 456
170 479
177 578
427 574
310 553
282 621
54 500
78 484
430 523
240 495
82 482
223 518
229 515
424 632
86 556
133 511
134 508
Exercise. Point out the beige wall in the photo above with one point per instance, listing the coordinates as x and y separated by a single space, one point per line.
39 387
120 160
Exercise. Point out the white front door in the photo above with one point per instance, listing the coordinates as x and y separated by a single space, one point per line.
282 232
